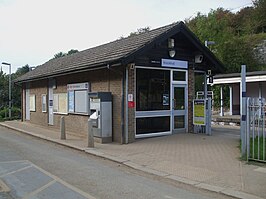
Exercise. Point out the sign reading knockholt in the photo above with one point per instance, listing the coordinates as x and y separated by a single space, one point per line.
199 112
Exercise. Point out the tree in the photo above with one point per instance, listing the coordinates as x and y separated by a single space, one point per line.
58 55
62 54
260 15
139 31
236 35
16 90
72 51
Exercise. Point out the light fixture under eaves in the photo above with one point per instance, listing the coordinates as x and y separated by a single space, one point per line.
171 53
171 43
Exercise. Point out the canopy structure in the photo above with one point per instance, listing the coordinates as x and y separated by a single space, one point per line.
256 87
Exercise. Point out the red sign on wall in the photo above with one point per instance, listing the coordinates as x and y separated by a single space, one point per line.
131 104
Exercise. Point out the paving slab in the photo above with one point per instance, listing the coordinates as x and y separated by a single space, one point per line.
26 180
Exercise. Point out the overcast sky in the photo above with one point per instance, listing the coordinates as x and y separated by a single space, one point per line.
32 31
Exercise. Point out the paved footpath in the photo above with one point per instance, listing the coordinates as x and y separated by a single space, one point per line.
207 162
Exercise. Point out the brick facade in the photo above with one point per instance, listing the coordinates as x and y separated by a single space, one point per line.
37 88
131 111
100 80
191 91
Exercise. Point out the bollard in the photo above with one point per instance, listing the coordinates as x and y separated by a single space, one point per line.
90 134
62 128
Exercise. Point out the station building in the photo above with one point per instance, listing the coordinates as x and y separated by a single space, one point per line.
150 77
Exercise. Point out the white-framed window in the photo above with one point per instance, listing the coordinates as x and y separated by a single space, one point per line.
32 102
44 103
78 98
60 103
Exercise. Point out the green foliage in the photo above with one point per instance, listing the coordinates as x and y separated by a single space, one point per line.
15 93
235 34
139 31
15 112
259 142
216 95
62 54
58 55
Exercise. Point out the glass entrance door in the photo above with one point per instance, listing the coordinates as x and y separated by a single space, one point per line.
179 108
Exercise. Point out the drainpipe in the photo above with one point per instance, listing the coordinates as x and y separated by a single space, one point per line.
126 123
123 107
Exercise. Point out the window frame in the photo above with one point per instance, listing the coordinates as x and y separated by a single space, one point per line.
71 108
58 105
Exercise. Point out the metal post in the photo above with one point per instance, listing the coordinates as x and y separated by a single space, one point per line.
244 111
9 83
205 86
221 97
9 106
62 128
209 117
205 128
248 128
90 134
231 100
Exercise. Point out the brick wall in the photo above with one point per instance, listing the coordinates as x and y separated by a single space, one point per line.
191 88
131 111
38 88
100 80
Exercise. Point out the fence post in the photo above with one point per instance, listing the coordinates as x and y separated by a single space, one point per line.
243 111
90 134
62 128
248 127
209 115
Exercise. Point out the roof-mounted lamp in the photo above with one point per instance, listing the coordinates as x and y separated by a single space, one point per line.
171 45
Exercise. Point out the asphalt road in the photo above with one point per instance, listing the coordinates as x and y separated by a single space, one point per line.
34 168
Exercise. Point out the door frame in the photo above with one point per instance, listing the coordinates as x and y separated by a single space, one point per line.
179 112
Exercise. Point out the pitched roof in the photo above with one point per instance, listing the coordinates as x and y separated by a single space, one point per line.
119 51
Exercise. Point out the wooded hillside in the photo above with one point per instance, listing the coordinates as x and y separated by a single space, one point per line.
237 36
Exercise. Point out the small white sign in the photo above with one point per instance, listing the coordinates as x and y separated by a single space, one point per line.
174 63
130 97
79 86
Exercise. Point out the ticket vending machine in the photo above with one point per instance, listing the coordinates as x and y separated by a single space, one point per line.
100 106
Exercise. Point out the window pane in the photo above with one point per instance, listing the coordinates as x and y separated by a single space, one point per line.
43 103
32 103
62 102
199 85
153 125
179 96
179 122
81 101
179 76
153 90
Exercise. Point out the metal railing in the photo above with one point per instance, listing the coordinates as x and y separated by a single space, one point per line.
256 131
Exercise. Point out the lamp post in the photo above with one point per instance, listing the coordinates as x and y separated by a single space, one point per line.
9 105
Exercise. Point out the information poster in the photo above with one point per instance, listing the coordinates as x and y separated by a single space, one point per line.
199 112
71 102
165 99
